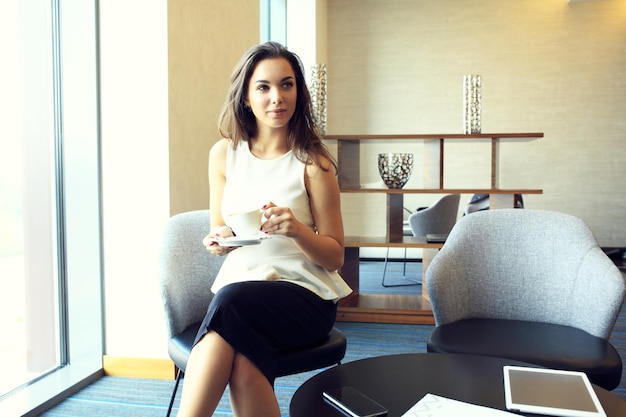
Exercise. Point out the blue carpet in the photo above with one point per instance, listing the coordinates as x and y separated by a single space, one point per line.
397 273
127 397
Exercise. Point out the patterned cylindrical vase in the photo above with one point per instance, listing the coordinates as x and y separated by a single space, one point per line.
472 85
318 96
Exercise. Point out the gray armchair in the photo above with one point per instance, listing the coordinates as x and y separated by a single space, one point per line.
438 218
527 285
186 272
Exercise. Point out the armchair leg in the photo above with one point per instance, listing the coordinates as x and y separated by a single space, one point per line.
179 375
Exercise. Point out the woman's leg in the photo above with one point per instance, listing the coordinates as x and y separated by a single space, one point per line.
208 370
212 364
251 394
251 322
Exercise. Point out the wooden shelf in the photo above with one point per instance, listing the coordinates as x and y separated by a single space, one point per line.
380 308
349 151
440 191
427 136
384 242
407 309
377 308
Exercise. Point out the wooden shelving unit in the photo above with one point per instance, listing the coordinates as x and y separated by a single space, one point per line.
407 309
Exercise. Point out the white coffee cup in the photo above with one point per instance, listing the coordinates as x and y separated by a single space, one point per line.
247 223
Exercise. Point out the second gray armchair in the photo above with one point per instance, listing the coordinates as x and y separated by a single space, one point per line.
527 285
439 218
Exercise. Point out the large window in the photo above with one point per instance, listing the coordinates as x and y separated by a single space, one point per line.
50 279
274 21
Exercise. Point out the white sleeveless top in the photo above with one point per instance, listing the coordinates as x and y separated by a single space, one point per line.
250 183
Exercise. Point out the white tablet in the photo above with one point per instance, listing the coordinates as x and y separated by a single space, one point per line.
550 392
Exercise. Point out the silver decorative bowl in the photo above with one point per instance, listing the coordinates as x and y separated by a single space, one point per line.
395 168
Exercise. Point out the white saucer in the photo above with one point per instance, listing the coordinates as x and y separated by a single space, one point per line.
241 240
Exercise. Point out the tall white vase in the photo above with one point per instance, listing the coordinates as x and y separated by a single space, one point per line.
318 96
472 85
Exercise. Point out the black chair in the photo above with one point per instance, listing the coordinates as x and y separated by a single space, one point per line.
186 274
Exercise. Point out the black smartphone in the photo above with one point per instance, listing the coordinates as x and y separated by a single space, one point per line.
353 402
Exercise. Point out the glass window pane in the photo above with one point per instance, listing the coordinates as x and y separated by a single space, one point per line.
28 286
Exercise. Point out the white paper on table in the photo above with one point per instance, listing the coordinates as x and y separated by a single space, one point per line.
435 406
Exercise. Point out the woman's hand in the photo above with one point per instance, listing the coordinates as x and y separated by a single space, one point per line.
280 221
212 246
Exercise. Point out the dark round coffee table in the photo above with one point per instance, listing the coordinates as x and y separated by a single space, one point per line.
399 381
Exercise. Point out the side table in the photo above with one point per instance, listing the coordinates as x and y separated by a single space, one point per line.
399 381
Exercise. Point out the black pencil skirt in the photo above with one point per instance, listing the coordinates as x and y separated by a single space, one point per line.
259 319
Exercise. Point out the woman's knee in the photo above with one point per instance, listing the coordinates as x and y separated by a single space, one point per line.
244 372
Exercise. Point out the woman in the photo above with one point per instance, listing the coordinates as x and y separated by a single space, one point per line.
283 292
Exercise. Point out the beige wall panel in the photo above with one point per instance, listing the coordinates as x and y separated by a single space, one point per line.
206 39
551 66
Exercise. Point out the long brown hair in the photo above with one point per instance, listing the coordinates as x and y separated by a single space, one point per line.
237 123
